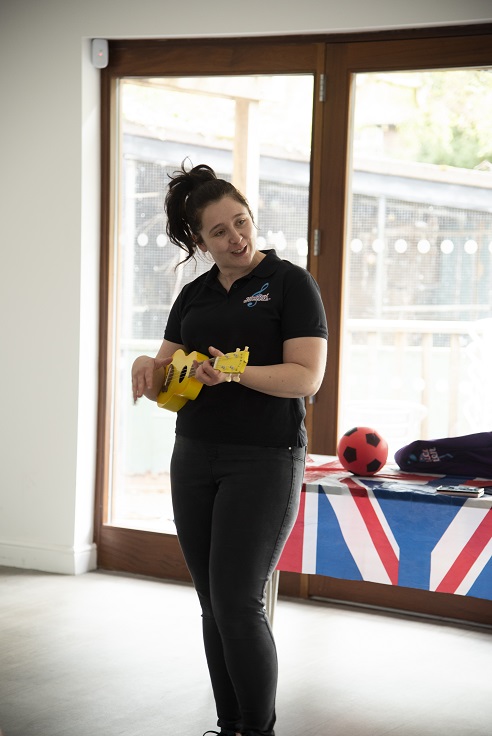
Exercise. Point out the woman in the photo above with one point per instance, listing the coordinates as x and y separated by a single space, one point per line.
238 460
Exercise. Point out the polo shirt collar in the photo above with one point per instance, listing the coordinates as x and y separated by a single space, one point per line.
266 267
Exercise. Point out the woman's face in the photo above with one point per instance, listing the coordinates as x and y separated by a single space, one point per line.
228 234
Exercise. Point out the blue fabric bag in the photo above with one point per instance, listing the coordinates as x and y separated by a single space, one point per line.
469 455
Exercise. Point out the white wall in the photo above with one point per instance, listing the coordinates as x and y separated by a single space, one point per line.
49 222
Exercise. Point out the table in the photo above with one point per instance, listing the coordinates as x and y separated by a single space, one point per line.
391 528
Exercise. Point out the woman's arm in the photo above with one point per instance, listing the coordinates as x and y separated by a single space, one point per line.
148 373
300 374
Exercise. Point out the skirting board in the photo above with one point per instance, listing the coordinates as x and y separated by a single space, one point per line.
56 559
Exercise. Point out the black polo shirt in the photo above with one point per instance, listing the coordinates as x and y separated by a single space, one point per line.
275 302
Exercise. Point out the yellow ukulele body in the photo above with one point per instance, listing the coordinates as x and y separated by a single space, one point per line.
180 384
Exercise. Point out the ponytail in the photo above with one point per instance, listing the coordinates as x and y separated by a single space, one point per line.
188 194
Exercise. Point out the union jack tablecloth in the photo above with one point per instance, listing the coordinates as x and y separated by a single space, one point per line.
392 528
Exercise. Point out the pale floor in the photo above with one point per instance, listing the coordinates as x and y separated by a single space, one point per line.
110 655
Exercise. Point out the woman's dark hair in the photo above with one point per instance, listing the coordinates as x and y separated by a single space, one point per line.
188 194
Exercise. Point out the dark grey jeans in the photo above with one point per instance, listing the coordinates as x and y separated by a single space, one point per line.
234 507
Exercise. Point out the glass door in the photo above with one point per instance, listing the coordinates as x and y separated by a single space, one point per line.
417 284
254 130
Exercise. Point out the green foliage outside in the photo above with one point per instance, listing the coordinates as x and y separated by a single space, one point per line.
448 118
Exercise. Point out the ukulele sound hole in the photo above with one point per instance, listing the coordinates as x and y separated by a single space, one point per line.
182 375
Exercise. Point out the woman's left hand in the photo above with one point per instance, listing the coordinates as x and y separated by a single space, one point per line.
206 373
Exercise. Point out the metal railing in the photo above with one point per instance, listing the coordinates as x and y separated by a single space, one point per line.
435 364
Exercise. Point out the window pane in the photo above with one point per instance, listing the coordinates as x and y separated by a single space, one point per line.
254 131
417 319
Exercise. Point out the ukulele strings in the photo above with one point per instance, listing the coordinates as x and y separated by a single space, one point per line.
183 374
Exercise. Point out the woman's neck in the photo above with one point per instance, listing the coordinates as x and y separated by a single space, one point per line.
227 278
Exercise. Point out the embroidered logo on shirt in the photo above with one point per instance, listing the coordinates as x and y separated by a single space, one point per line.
258 296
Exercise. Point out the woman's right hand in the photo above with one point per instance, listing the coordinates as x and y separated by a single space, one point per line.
148 376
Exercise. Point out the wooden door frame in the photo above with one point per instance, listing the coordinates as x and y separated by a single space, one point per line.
343 61
132 550
338 57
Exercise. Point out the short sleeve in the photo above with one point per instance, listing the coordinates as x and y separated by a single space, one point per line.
303 312
172 331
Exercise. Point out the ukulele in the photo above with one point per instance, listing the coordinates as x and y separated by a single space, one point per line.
180 384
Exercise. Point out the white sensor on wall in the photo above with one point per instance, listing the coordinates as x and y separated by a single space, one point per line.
99 53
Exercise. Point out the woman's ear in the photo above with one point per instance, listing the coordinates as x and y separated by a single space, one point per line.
199 243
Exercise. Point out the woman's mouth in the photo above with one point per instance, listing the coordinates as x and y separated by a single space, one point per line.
239 251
